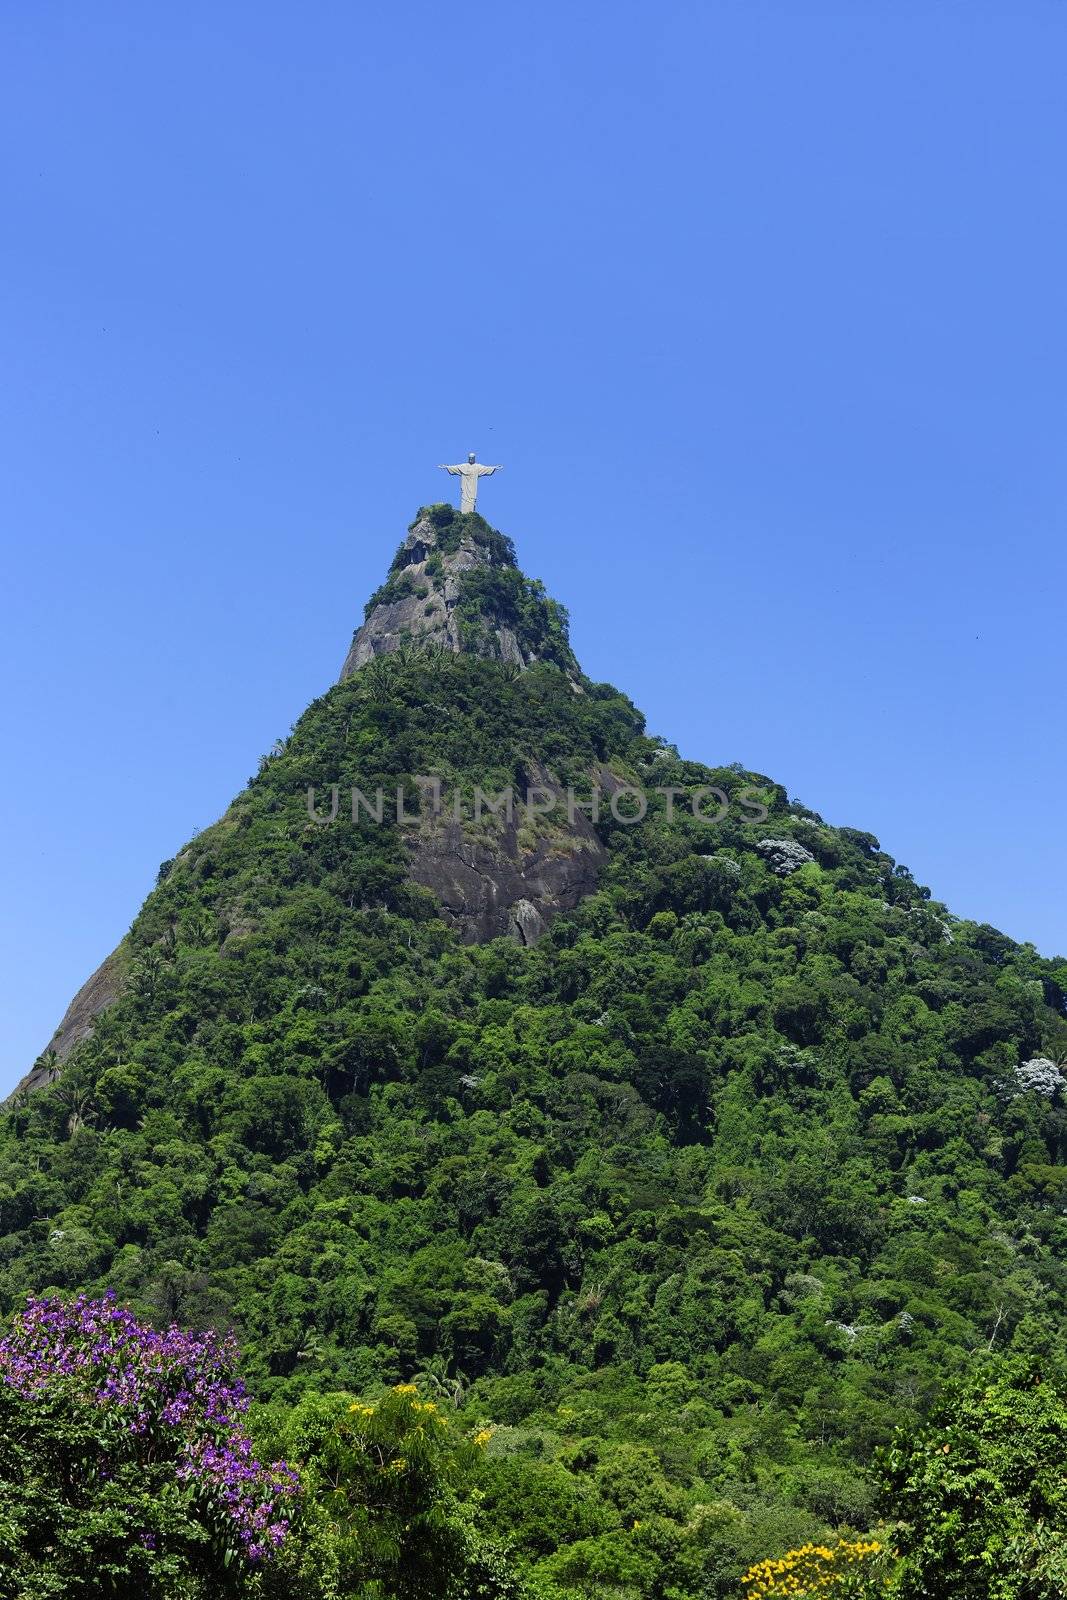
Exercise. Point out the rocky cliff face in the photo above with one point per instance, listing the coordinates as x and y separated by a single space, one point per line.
94 996
512 882
454 585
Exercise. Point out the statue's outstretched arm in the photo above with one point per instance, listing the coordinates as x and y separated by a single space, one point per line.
452 470
487 472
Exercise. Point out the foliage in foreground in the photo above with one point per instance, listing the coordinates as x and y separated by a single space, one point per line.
851 1567
981 1493
122 1475
123 1461
390 1497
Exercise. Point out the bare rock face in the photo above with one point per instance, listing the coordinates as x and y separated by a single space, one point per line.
454 585
510 883
94 996
419 600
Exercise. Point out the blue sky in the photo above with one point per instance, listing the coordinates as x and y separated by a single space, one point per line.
761 305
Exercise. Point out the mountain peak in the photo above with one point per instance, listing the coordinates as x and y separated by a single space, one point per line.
454 585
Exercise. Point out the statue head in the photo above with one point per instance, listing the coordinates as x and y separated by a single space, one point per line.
471 456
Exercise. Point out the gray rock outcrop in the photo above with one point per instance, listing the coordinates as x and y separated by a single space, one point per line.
511 882
421 601
94 996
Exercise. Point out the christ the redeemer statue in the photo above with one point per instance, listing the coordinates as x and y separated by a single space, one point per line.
469 472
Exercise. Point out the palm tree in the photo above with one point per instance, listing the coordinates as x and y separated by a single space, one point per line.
49 1063
81 1107
146 973
436 1378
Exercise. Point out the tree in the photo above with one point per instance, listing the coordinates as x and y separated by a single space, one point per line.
124 1471
853 1567
981 1491
386 1513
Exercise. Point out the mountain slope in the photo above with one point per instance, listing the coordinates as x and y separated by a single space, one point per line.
692 1188
453 585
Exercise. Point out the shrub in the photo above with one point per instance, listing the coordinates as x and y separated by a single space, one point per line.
850 1567
124 1469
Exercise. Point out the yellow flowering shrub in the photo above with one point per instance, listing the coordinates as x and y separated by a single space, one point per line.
851 1567
392 1478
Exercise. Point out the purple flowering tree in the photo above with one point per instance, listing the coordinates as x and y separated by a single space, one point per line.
144 1434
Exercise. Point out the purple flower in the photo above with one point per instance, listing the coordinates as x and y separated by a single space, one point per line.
174 1390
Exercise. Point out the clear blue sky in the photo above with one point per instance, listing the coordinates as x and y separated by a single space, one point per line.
762 305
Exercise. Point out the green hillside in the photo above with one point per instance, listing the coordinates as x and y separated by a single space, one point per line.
691 1202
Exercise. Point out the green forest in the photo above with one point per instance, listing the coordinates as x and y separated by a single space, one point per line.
710 1248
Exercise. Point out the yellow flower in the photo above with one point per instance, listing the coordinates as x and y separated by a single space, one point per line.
808 1570
483 1436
